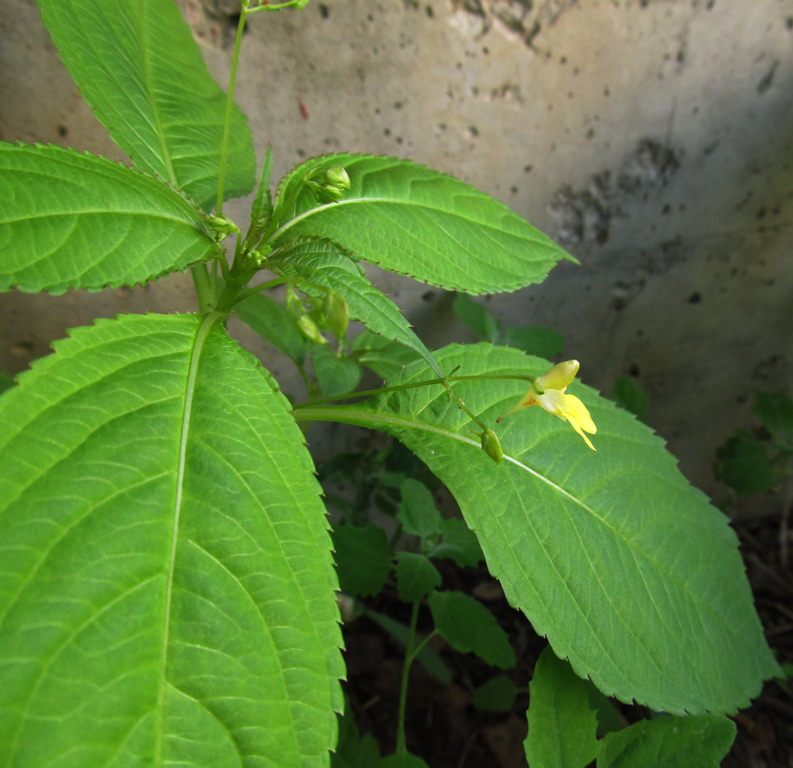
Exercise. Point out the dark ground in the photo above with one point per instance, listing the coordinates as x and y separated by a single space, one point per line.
446 730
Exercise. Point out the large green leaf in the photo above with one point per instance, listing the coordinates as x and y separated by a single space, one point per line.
139 68
166 585
74 220
319 264
416 221
631 573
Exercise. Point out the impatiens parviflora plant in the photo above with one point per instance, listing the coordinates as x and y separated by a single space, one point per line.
167 587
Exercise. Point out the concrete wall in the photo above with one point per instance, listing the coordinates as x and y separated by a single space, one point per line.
654 138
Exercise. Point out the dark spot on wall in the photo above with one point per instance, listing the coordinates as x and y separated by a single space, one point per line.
324 11
62 130
633 370
768 78
695 298
428 296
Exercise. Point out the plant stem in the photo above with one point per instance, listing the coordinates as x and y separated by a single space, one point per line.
203 287
414 385
224 148
401 747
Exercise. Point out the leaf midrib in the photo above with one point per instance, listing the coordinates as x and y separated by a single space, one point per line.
192 374
166 155
395 201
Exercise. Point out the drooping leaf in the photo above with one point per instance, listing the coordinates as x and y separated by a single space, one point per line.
385 357
416 221
74 220
470 628
319 264
362 558
166 584
496 695
562 727
427 657
418 513
136 63
669 742
416 576
630 572
275 324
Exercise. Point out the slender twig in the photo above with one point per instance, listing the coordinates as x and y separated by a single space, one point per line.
401 747
414 385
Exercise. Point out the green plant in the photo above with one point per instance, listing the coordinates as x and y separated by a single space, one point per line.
167 590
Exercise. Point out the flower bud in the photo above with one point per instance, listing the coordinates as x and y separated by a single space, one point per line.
337 315
330 186
310 330
491 445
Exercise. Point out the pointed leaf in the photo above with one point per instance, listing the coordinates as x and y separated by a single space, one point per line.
410 219
632 575
166 585
562 727
320 264
470 628
669 742
416 576
136 63
74 220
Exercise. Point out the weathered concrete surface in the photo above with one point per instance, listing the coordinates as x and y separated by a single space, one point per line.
653 137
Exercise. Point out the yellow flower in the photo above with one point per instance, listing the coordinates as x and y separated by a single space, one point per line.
548 391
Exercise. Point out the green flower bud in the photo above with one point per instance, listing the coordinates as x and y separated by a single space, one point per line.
336 176
337 314
310 330
221 226
491 445
293 303
330 186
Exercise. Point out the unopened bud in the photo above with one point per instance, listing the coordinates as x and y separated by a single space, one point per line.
330 186
491 445
337 314
310 330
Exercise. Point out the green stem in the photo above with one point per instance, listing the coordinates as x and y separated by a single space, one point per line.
224 149
227 303
203 287
401 747
414 385
420 646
